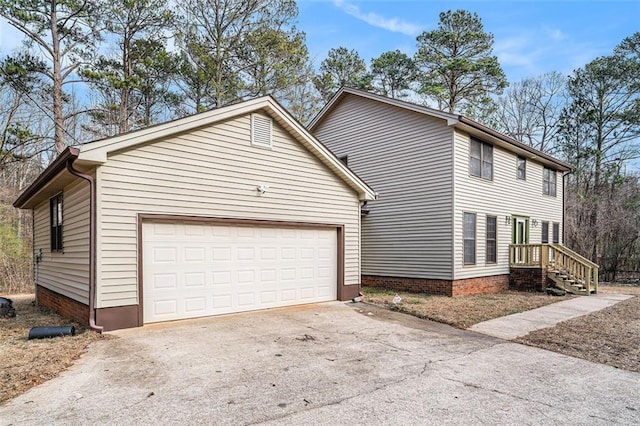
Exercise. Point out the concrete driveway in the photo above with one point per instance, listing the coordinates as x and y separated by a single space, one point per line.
331 363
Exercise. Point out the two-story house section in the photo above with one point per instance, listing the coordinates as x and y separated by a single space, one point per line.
453 194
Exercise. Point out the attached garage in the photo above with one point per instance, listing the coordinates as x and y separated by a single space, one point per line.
194 269
230 210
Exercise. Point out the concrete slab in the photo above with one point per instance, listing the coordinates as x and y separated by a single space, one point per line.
324 364
520 324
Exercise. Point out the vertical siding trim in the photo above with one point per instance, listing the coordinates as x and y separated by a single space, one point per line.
139 273
98 236
453 205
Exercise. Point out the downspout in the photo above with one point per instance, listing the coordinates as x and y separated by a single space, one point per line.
92 243
35 257
564 197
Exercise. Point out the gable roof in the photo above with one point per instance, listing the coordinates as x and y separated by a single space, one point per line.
97 152
453 120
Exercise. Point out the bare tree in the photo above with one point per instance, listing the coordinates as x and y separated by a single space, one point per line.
529 110
63 31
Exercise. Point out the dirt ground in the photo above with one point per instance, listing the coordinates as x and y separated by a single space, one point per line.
461 312
610 336
27 363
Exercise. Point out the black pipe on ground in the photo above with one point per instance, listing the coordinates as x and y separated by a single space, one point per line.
46 332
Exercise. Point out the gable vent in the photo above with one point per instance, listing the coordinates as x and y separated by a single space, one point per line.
260 130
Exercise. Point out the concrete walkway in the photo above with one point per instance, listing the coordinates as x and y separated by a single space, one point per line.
518 325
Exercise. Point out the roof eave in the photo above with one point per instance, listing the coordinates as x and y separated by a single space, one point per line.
344 91
58 165
533 153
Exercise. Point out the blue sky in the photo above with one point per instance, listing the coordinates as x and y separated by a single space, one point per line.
530 38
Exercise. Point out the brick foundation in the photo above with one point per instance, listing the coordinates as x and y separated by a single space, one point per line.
63 305
480 285
527 279
490 284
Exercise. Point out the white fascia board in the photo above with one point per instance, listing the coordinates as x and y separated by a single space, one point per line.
98 151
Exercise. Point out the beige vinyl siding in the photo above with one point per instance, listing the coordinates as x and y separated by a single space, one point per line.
405 157
502 197
214 172
65 272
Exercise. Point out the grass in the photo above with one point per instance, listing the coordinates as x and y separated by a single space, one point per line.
609 336
27 363
461 312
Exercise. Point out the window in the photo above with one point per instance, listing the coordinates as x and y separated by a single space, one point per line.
481 160
491 239
469 238
556 233
344 159
55 221
545 232
521 172
260 131
549 182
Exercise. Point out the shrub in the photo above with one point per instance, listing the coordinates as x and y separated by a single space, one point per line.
15 263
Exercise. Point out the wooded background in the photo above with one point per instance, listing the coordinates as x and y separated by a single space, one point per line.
94 68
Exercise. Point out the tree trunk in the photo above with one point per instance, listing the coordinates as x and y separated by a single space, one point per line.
58 118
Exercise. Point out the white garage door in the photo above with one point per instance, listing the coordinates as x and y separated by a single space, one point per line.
194 270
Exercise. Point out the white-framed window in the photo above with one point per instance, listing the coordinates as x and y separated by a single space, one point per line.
469 233
549 182
481 159
545 232
492 239
261 130
521 168
55 222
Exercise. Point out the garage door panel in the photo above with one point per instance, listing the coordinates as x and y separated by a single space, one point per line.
193 270
222 301
195 279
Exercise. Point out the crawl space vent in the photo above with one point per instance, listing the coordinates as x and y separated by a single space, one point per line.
260 130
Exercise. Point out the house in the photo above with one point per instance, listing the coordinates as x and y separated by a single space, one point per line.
230 210
460 204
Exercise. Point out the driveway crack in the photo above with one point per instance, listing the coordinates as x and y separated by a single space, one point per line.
340 400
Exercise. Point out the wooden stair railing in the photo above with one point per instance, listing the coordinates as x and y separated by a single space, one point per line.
566 268
572 271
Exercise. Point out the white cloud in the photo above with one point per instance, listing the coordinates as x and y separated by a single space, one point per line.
555 34
520 51
529 52
390 24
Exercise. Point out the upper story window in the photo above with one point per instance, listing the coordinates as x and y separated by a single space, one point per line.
521 171
481 159
55 222
549 182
